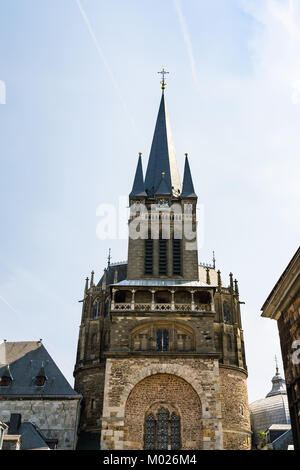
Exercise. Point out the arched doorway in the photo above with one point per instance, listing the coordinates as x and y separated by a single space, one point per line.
163 412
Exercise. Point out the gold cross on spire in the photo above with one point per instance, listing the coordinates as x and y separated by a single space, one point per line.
163 72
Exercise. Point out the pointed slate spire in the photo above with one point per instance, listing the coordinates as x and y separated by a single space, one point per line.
162 156
138 188
188 187
163 188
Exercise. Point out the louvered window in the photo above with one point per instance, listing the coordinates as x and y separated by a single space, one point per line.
177 257
163 263
149 256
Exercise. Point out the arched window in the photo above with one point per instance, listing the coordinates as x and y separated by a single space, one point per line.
97 309
162 432
226 312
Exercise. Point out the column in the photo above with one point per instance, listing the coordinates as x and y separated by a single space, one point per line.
132 300
192 300
172 300
153 300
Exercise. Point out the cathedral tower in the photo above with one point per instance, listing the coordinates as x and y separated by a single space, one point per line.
160 361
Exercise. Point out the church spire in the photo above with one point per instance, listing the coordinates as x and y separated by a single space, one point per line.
138 188
188 186
162 157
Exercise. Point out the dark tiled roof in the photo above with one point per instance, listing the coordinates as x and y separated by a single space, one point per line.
31 436
26 360
110 274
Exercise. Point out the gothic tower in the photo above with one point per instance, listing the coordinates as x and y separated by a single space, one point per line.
160 361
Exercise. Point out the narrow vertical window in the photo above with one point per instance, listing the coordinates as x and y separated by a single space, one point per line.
165 340
162 340
163 262
177 257
150 432
162 429
175 432
149 256
158 340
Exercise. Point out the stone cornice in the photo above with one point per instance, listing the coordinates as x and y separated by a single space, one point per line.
285 290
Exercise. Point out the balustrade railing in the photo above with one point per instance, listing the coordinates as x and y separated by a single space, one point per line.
168 307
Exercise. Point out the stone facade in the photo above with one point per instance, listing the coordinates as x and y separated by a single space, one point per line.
235 409
190 386
283 305
57 419
161 337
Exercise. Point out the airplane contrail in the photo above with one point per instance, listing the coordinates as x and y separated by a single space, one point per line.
187 40
105 62
8 304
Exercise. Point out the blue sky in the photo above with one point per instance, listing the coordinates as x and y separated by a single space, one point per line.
82 94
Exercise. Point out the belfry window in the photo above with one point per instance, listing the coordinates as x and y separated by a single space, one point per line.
163 262
177 257
162 340
162 432
149 256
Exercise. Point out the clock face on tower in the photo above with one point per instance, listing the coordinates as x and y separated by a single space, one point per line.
163 203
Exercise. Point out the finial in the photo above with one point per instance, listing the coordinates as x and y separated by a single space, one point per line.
140 154
207 276
163 81
214 260
86 285
109 258
92 279
231 281
236 287
219 279
186 154
276 362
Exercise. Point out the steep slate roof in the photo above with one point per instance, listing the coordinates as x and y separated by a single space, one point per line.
26 358
162 155
163 188
138 188
188 186
110 273
31 436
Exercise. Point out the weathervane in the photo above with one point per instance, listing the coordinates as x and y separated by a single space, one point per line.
163 73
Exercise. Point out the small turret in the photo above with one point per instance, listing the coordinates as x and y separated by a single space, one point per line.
138 188
188 186
86 285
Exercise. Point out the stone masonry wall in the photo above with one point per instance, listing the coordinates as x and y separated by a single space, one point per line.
57 419
235 409
168 391
122 376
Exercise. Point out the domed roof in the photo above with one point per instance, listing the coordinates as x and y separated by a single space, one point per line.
273 409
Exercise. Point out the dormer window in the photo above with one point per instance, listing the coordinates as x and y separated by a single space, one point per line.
5 381
6 377
40 381
41 377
